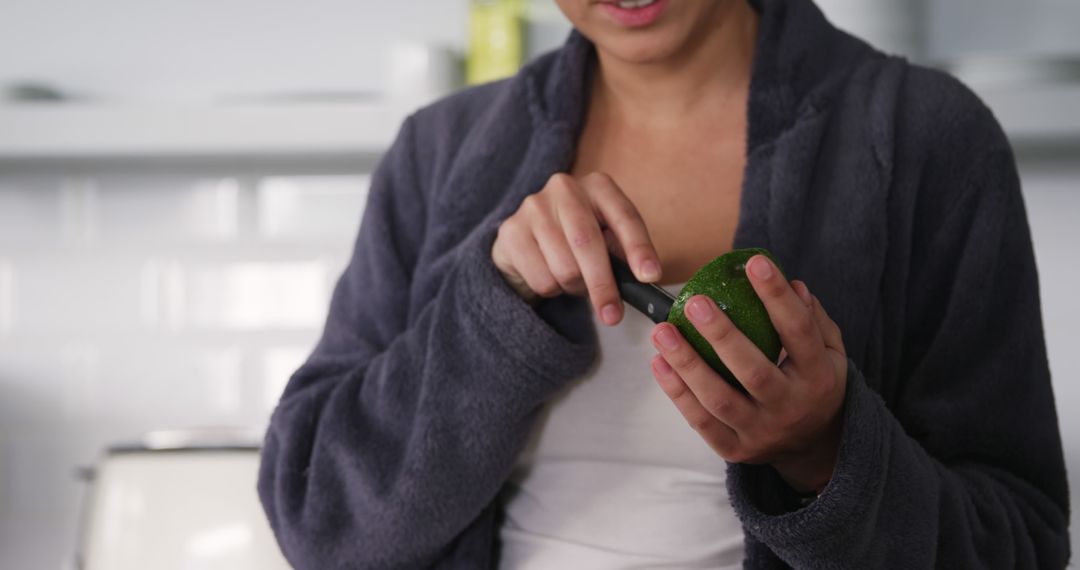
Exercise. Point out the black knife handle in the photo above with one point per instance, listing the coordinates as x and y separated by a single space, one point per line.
651 300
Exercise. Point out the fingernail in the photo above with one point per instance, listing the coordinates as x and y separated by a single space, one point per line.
661 365
609 314
699 310
761 268
666 338
650 270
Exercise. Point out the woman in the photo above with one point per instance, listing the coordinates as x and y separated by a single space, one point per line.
478 399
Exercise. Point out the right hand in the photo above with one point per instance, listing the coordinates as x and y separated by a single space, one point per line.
557 243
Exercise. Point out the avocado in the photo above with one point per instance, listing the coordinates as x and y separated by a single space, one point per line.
724 280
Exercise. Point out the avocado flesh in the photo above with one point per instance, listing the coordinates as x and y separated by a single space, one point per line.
724 280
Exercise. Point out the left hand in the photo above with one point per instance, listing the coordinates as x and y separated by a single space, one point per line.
792 417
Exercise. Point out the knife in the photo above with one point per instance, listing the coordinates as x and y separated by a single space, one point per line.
651 300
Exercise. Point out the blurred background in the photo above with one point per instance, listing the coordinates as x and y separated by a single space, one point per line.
180 185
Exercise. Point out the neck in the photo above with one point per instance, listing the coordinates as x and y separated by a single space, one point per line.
712 68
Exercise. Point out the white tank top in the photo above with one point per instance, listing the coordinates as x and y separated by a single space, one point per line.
613 477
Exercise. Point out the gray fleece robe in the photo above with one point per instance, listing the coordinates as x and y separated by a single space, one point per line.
889 189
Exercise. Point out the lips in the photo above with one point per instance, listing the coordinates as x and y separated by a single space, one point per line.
634 13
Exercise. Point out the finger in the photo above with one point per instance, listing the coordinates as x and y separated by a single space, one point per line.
713 392
794 321
534 270
718 435
613 245
582 232
558 258
829 329
803 292
761 378
618 214
520 260
833 340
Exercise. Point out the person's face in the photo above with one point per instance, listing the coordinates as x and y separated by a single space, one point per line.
655 31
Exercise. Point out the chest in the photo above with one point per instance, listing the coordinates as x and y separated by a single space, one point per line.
612 470
685 185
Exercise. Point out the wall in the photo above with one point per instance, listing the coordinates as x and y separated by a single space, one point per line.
1003 28
139 301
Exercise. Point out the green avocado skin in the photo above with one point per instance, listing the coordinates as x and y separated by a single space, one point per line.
724 280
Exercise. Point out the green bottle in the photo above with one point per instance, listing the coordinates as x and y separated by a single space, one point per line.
496 40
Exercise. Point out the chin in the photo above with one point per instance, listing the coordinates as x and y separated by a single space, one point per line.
638 47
